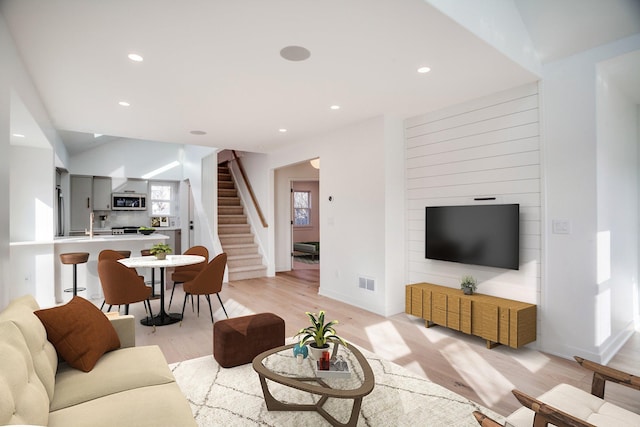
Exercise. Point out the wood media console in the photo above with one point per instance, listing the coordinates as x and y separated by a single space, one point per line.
497 320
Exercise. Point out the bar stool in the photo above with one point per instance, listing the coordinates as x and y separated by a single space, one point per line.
147 252
74 258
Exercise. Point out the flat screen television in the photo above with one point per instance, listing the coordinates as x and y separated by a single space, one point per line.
474 234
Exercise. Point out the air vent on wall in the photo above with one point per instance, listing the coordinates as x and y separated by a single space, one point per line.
366 283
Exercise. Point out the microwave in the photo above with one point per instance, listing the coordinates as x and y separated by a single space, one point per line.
128 202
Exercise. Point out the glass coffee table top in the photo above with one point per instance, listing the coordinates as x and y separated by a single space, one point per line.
280 366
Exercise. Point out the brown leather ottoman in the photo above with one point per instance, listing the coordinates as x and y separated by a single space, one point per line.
238 340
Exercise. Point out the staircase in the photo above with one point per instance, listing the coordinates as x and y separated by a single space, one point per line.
243 256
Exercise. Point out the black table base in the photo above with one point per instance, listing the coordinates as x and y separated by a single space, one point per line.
162 319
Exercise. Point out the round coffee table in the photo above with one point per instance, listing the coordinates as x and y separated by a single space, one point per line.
280 365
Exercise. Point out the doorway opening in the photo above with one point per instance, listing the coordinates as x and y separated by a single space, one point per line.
305 225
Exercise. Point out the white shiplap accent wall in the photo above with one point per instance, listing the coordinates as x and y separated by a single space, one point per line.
489 147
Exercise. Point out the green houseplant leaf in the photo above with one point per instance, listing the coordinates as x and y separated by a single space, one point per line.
319 333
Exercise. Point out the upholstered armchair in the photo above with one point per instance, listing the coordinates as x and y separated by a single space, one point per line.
207 282
186 273
565 405
122 285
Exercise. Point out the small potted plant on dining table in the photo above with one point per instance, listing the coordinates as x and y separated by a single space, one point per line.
319 334
160 250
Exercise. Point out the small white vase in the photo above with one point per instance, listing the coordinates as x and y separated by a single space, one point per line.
316 353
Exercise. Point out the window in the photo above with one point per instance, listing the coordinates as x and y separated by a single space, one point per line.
161 199
302 208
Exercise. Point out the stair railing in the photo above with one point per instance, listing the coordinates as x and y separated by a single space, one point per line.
250 188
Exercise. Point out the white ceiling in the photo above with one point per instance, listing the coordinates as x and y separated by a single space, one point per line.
215 66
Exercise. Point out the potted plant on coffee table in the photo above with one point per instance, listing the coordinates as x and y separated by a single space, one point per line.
160 250
319 334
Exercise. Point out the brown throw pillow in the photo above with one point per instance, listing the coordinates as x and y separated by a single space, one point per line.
80 332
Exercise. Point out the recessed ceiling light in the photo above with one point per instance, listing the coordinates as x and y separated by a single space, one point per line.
135 57
124 103
295 53
18 135
282 130
198 132
335 107
424 70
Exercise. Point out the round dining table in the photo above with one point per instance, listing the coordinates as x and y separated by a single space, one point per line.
163 318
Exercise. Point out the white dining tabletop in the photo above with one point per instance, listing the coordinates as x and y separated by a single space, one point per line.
169 261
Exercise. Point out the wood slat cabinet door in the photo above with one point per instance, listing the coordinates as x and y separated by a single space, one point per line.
416 301
522 326
465 315
489 315
453 312
439 308
504 322
427 313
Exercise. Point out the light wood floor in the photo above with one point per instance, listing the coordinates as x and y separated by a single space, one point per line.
459 362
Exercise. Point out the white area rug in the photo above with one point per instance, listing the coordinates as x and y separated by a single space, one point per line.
233 397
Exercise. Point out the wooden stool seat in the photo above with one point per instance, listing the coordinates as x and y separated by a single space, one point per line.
74 258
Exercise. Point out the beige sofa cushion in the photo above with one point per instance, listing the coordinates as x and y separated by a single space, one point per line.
23 397
45 360
159 406
115 372
580 404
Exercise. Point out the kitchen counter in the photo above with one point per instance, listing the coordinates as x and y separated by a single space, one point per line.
88 272
108 238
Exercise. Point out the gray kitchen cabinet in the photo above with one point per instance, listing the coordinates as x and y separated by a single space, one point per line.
101 193
81 202
174 241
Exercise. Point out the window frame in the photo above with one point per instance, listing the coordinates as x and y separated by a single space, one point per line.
308 208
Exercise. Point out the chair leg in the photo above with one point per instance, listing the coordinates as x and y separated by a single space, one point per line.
150 313
198 305
210 310
102 306
126 309
184 304
225 310
109 309
171 299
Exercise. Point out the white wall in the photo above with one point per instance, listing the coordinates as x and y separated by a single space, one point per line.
489 147
15 80
205 233
570 292
129 158
617 193
354 173
31 202
498 23
7 54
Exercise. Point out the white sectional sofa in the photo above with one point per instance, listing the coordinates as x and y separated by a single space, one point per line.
130 386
